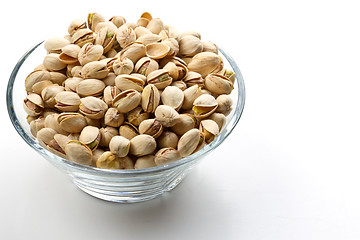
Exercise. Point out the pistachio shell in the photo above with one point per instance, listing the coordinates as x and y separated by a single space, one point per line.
57 77
123 66
193 78
218 84
51 121
109 25
90 136
113 117
148 39
82 36
190 142
67 101
151 127
167 116
119 146
45 135
90 87
205 63
94 19
157 50
180 84
146 65
36 125
33 104
179 63
137 115
160 78
127 100
69 54
93 107
166 156
106 38
141 31
219 118
173 44
210 47
126 82
210 129
184 124
225 103
107 133
76 25
55 44
52 62
128 130
61 140
190 94
204 106
48 94
90 52
78 152
145 162
118 20
142 145
109 160
125 35
70 84
173 97
96 154
190 46
71 122
35 77
110 93
190 33
155 25
95 69
133 51
167 139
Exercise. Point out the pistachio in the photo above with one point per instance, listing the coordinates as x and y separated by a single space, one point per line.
39 86
148 39
174 46
225 103
210 47
151 127
57 77
155 25
182 69
109 80
93 19
128 130
83 36
142 145
219 118
107 133
71 122
110 93
210 129
48 94
204 106
108 160
35 77
146 65
55 44
78 152
76 25
69 54
218 84
118 20
127 100
57 145
93 122
190 142
36 125
52 62
75 71
51 121
70 84
205 63
109 25
90 87
145 162
189 46
141 31
133 51
166 115
125 35
90 136
67 101
95 69
190 33
92 107
193 78
45 135
105 38
96 154
119 146
113 118
137 115
230 74
180 84
167 139
190 94
123 66
173 97
160 78
126 82
33 104
184 124
90 52
166 156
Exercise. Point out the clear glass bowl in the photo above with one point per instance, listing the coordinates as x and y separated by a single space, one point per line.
115 185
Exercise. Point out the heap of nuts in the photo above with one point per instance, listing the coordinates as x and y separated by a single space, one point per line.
122 95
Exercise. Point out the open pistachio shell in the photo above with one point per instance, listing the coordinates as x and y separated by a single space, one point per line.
90 87
90 52
39 86
141 31
205 63
33 104
106 38
76 25
136 116
45 135
83 36
204 106
218 84
35 77
210 129
157 50
78 152
146 65
119 146
61 140
166 156
190 94
145 162
71 83
193 78
160 78
128 130
133 51
181 65
225 103
107 133
48 94
69 54
173 97
108 160
90 136
219 118
110 93
67 101
113 118
126 82
93 107
94 19
36 125
142 145
151 127
166 115
190 33
190 142
173 44
71 122
127 100
148 39
51 121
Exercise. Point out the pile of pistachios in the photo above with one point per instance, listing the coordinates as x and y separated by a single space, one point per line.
123 95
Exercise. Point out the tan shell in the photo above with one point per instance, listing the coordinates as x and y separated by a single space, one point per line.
166 156
93 122
96 154
110 79
157 50
52 62
126 82
210 47
90 136
167 116
173 97
160 78
48 94
155 25
57 77
193 78
55 44
123 66
106 38
93 107
181 67
145 162
67 101
118 20
128 130
210 129
190 33
225 103
148 39
107 133
133 51
95 69
184 124
136 116
45 135
174 46
110 93
108 160
167 139
180 84
141 31
71 122
76 25
189 46
125 35
219 118
35 77
82 36
90 87
109 25
205 63
36 125
218 84
146 65
190 142
94 19
78 152
33 104
69 54
142 145
151 127
204 106
113 118
127 100
190 94
119 146
70 84
51 121
39 86
89 53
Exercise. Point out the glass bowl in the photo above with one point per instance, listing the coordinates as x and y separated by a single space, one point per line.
115 185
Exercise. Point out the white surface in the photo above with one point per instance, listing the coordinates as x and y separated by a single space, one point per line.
290 169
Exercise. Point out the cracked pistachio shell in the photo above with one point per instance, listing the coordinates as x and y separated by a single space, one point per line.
148 39
157 50
52 62
94 19
55 44
109 80
182 69
151 127
33 104
123 66
109 25
142 22
95 69
150 98
142 145
89 53
35 77
136 116
128 130
173 97
166 115
90 136
133 51
229 73
218 84
39 86
107 133
105 38
225 103
180 84
141 31
167 139
125 35
70 84
184 124
142 77
193 78
189 46
90 87
155 25
210 129
109 63
61 140
205 63
96 154
219 118
126 82
118 20
146 65
51 121
190 33
74 71
78 152
210 47
93 107
57 77
160 78
172 32
204 106
174 46
113 118
110 93
119 146
71 122
166 156
83 36
190 94
69 54
29 118
45 135
36 125
190 142
108 160
127 100
58 144
74 136
76 25
48 94
145 162
67 101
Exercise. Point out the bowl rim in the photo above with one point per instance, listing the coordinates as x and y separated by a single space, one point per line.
206 149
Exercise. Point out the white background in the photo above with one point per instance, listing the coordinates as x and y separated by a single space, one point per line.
290 170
